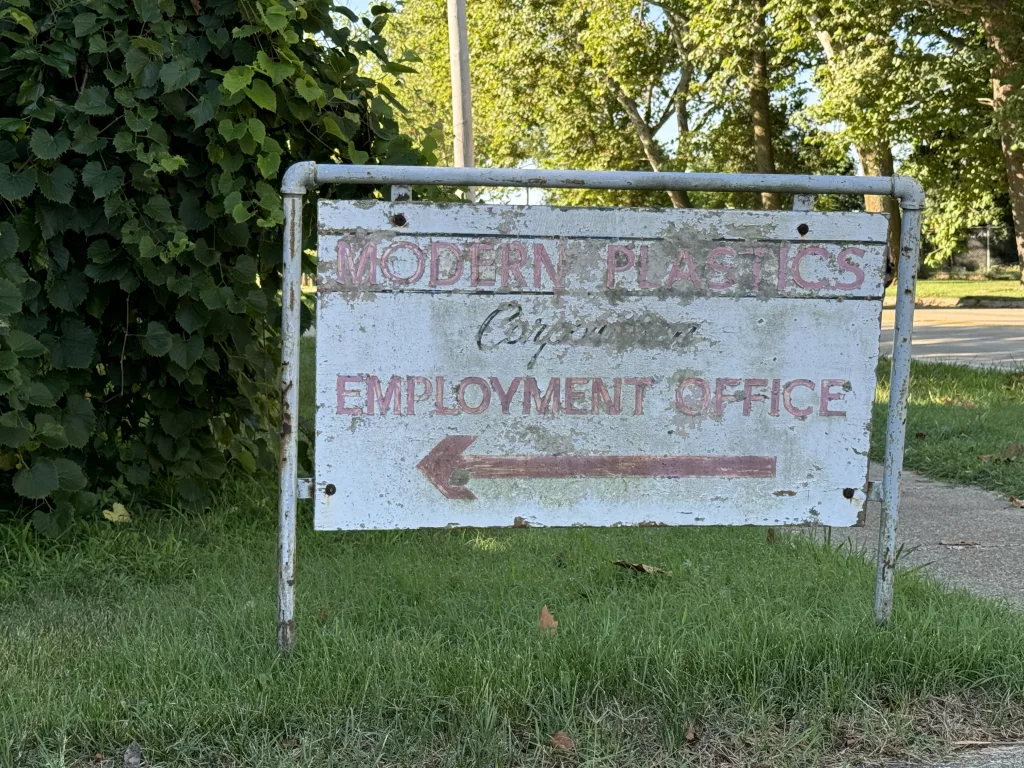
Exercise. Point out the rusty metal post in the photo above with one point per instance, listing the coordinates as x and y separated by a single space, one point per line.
912 201
296 180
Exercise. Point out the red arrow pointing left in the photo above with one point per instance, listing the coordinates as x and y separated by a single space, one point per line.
447 457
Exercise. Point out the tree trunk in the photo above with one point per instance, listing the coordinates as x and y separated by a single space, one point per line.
652 150
760 108
878 162
1004 30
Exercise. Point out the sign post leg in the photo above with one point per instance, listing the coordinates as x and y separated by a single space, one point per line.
291 302
896 421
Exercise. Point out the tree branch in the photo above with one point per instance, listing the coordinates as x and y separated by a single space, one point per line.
652 150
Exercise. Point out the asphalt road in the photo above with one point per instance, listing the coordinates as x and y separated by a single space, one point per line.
983 338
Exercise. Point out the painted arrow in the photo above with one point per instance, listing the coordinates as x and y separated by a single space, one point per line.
448 469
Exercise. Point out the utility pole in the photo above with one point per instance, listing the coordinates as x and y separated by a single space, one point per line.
462 99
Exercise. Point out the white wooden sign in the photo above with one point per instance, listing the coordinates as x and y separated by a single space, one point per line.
482 364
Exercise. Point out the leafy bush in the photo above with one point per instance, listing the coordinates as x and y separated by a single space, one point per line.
141 144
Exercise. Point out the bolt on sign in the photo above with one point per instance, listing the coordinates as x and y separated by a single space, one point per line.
478 364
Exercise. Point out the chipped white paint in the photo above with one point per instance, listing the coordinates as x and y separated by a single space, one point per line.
745 339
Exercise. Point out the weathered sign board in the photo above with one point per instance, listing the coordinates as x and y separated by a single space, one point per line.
479 365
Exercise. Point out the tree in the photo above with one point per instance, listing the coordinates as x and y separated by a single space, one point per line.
900 74
141 145
615 84
734 39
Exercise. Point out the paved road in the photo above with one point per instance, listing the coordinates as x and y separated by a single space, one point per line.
978 337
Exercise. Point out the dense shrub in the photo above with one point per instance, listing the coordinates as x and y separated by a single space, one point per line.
141 145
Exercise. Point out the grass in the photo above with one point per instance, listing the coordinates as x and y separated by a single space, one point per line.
957 289
422 647
964 425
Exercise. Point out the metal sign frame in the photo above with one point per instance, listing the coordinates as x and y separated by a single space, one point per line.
304 176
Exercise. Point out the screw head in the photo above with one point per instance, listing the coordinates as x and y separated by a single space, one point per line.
330 489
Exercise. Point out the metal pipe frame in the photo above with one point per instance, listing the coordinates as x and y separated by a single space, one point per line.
305 176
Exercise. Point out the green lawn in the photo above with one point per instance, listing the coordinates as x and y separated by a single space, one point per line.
956 289
964 425
422 647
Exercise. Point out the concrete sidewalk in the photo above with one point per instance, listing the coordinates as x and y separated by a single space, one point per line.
963 536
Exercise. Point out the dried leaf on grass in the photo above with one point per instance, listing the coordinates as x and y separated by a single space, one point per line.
561 740
641 567
961 402
770 536
117 514
691 735
1010 453
1018 503
547 623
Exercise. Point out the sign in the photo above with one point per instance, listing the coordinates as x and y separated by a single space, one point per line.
495 365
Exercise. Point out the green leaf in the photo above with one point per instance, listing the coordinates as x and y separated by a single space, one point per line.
102 181
11 124
37 393
100 251
237 78
94 100
186 352
357 156
8 240
158 340
47 147
74 348
23 344
105 273
79 420
10 298
37 481
51 525
176 74
14 186
69 475
277 71
262 95
67 289
241 213
257 130
58 185
148 10
269 164
87 140
276 18
204 111
19 17
245 458
136 61
49 432
158 207
85 24
308 89
12 429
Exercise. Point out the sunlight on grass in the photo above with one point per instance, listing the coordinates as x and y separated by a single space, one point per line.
961 424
